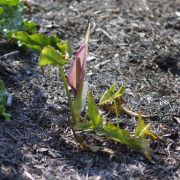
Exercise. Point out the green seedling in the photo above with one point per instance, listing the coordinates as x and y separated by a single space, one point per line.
11 18
3 100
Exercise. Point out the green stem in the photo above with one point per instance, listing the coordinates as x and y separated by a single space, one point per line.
117 114
61 71
66 86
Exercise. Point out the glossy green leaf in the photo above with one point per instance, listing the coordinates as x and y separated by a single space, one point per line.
144 130
50 56
92 111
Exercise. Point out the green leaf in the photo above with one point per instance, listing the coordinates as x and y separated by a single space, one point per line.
9 2
35 41
82 126
50 56
64 47
3 93
3 100
92 111
111 95
3 114
11 19
1 10
107 96
31 27
123 136
119 135
119 92
143 130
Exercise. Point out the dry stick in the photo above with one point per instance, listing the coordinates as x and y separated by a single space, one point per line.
9 54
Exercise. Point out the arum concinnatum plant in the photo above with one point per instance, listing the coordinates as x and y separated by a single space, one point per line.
57 52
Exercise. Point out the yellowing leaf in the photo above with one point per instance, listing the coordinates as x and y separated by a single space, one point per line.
144 130
50 56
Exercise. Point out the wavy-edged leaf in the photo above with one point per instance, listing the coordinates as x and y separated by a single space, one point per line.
37 42
50 56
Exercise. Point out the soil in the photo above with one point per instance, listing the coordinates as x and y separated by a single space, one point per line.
132 42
